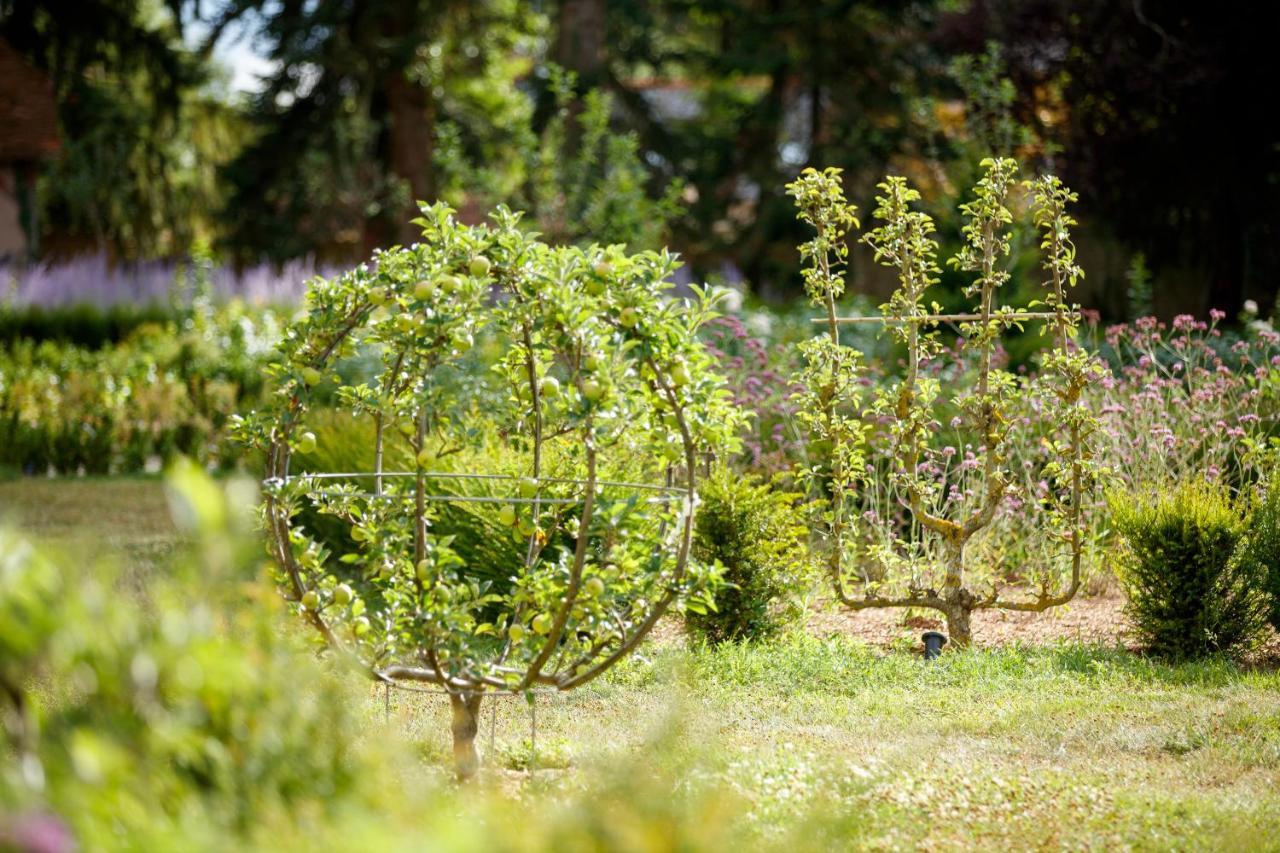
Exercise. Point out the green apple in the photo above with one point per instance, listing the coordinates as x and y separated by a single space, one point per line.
312 376
594 287
526 527
343 594
594 587
549 387
507 516
479 266
379 296
528 487
311 600
406 428
424 457
592 389
542 623
360 626
463 342
680 374
360 534
628 317
602 268
516 632
450 283
306 442
424 289
424 569
591 361
406 323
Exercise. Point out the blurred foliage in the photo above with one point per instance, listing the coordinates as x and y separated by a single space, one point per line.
178 721
168 388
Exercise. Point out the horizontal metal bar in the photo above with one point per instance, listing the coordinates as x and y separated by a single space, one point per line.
950 318
479 499
446 475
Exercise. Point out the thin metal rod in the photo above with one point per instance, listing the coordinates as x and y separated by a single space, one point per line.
533 734
479 499
445 475
386 701
948 318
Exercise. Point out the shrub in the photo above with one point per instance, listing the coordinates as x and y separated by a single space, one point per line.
1261 548
757 535
1191 591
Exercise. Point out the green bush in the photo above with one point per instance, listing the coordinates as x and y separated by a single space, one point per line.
758 536
1261 548
1192 590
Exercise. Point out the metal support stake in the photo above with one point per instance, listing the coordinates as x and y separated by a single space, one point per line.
386 702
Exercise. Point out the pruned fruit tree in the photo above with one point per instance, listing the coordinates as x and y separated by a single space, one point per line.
571 382
920 468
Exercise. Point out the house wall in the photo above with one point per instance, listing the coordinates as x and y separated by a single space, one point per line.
13 240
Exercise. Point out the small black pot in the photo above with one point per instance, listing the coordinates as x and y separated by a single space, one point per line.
933 643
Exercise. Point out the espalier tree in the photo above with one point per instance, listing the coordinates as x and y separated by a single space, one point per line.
898 510
601 372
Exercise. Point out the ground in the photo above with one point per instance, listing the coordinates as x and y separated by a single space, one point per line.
1051 735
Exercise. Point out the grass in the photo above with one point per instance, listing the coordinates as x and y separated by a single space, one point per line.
806 743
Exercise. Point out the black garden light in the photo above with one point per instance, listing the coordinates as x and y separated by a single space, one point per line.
933 643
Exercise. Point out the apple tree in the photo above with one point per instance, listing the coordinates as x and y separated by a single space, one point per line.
593 380
900 504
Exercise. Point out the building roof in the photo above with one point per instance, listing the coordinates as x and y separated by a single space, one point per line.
28 111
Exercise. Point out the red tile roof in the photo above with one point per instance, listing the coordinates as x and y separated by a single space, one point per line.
28 112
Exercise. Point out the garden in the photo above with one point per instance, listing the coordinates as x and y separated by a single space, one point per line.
507 526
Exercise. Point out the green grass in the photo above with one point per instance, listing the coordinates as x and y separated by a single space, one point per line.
805 743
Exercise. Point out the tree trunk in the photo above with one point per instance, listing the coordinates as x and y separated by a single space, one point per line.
958 625
580 36
465 725
412 146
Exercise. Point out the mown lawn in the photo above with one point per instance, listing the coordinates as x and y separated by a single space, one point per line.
810 743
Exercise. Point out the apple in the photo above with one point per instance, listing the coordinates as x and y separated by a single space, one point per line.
592 389
680 374
594 587
343 594
306 442
424 289
594 287
379 296
450 283
516 632
591 361
542 623
528 487
424 569
507 516
406 323
628 317
526 527
312 376
360 534
549 387
360 626
311 600
479 266
602 268
424 457
463 342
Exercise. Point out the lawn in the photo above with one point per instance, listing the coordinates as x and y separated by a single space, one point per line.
812 743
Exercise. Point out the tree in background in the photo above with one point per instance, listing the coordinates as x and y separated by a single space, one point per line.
142 138
346 125
1150 88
